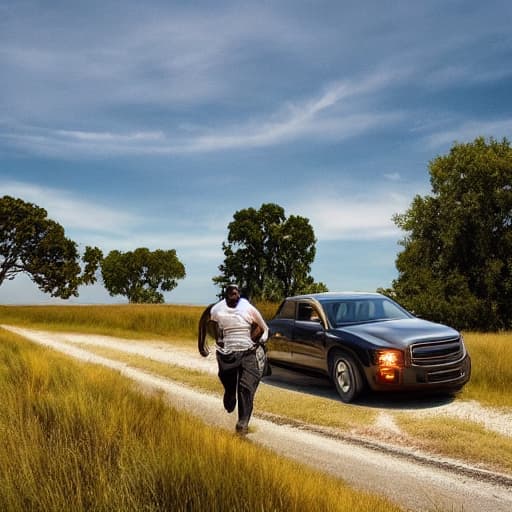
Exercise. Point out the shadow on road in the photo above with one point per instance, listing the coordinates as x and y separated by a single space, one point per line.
322 387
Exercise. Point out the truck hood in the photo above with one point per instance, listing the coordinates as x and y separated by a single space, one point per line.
399 333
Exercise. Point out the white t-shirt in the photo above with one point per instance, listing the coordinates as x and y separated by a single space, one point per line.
235 325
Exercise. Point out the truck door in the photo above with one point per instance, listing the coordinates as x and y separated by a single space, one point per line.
280 336
308 344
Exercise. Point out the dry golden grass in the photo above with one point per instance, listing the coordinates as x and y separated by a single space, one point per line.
490 382
269 399
170 322
460 439
491 353
491 375
76 437
127 320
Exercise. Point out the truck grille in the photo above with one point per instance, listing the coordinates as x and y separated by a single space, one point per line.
439 352
446 375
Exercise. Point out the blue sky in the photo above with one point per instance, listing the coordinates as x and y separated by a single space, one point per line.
148 124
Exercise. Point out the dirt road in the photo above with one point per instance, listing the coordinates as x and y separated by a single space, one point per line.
415 480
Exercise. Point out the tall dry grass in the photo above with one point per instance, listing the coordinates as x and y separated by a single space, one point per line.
129 320
132 320
491 375
77 437
491 353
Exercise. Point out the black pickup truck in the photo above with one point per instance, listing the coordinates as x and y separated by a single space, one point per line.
366 340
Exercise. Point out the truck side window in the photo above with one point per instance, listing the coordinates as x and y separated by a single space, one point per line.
287 310
307 312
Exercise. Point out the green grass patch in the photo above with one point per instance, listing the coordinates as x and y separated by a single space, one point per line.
78 437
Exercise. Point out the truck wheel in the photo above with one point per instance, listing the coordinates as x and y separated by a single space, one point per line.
346 377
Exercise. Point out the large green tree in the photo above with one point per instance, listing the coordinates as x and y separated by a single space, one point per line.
269 255
456 265
33 244
141 275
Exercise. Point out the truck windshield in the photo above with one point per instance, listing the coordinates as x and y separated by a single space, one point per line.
343 312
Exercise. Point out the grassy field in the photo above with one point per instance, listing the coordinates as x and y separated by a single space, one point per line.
491 354
441 435
491 357
489 385
76 437
172 322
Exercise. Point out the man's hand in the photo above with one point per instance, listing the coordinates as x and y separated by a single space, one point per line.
256 332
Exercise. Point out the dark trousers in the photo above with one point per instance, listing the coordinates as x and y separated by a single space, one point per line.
240 376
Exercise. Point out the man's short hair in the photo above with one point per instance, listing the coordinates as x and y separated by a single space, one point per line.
230 287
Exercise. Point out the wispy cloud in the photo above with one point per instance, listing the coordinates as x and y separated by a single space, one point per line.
110 138
355 217
92 223
70 210
393 176
166 55
469 130
328 115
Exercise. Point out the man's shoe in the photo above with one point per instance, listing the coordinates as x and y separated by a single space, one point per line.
242 428
229 402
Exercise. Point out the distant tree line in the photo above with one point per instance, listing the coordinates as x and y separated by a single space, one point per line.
269 255
33 244
455 266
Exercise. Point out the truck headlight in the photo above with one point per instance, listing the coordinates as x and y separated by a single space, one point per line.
389 363
390 358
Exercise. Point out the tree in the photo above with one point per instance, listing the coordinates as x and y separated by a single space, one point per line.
140 274
268 255
33 244
456 265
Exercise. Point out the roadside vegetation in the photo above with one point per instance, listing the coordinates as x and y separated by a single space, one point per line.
79 437
489 385
172 322
490 352
491 357
454 266
444 436
460 439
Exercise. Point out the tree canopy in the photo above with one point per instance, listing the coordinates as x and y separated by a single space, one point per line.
141 275
456 265
32 243
269 255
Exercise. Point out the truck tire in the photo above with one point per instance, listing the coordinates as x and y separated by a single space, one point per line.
346 376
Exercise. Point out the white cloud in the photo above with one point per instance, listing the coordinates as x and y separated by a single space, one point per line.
111 138
469 130
325 116
189 246
109 228
69 209
354 217
393 176
328 115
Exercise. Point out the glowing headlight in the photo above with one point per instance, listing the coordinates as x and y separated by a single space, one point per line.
390 358
389 363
